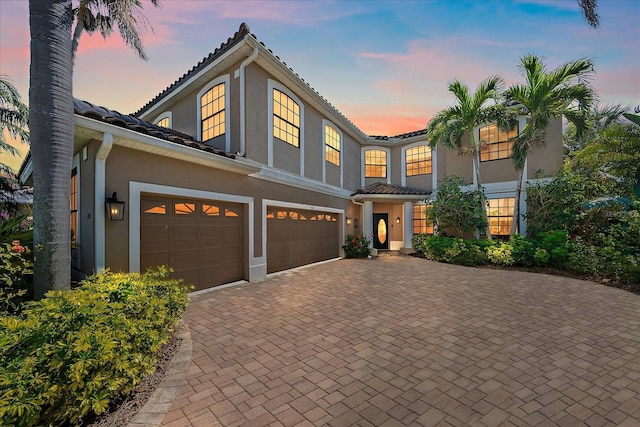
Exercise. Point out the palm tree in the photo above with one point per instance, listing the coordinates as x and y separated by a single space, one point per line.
546 95
102 15
14 118
51 124
471 110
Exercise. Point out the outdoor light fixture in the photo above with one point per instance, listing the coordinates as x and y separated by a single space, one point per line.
398 220
115 208
348 220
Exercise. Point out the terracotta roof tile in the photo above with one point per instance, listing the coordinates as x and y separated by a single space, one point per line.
381 188
86 109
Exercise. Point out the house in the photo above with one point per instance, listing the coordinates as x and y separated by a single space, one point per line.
240 169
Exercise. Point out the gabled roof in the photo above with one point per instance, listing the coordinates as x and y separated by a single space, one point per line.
390 189
86 109
231 42
224 47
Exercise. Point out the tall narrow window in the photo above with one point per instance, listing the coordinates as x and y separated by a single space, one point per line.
332 145
422 223
286 118
496 142
375 164
500 215
212 112
418 160
73 202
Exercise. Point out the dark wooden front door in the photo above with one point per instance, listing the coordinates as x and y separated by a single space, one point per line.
381 231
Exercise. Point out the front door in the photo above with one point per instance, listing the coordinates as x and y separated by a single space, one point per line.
380 231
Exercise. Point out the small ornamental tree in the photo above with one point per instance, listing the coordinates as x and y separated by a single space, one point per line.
456 209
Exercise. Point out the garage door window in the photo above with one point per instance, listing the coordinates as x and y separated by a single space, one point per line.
153 208
210 210
184 208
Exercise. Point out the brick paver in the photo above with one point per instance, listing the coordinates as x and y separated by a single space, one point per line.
404 341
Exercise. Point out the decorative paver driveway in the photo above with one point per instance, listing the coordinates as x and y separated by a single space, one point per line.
404 341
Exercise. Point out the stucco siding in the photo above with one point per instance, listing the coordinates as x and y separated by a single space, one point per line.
123 166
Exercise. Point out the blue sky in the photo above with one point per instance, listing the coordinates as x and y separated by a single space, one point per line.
384 64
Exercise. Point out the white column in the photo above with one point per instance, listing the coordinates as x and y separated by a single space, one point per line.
367 221
408 224
100 194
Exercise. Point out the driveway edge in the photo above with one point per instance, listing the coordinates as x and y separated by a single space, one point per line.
154 411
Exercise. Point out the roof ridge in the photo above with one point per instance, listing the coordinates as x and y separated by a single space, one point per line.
231 41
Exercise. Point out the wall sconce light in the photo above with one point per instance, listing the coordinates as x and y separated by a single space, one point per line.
349 220
115 208
355 223
398 220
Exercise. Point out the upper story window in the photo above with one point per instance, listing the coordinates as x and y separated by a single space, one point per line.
212 112
332 145
375 164
418 160
286 118
164 120
497 144
500 215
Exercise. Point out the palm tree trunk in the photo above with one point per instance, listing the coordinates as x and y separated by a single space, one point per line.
51 125
483 199
516 207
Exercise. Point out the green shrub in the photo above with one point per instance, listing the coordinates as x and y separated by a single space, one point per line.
17 228
68 355
16 276
555 243
541 257
418 242
454 251
357 246
523 251
501 253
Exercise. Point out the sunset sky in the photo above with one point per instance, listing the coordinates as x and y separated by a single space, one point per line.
384 64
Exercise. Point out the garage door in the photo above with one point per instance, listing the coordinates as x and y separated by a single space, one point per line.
298 237
202 240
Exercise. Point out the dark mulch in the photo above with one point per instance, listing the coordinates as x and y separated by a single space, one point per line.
634 288
124 409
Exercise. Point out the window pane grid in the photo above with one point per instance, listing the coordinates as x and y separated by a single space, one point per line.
212 112
375 164
500 215
497 144
286 118
164 122
418 160
73 201
421 224
332 147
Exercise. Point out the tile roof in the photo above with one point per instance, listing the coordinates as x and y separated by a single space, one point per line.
86 109
401 136
231 41
224 47
381 188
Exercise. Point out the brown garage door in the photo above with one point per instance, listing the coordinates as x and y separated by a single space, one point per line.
298 237
202 240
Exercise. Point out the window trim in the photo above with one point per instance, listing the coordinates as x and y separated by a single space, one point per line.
227 102
271 85
165 115
509 218
404 159
363 168
324 148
